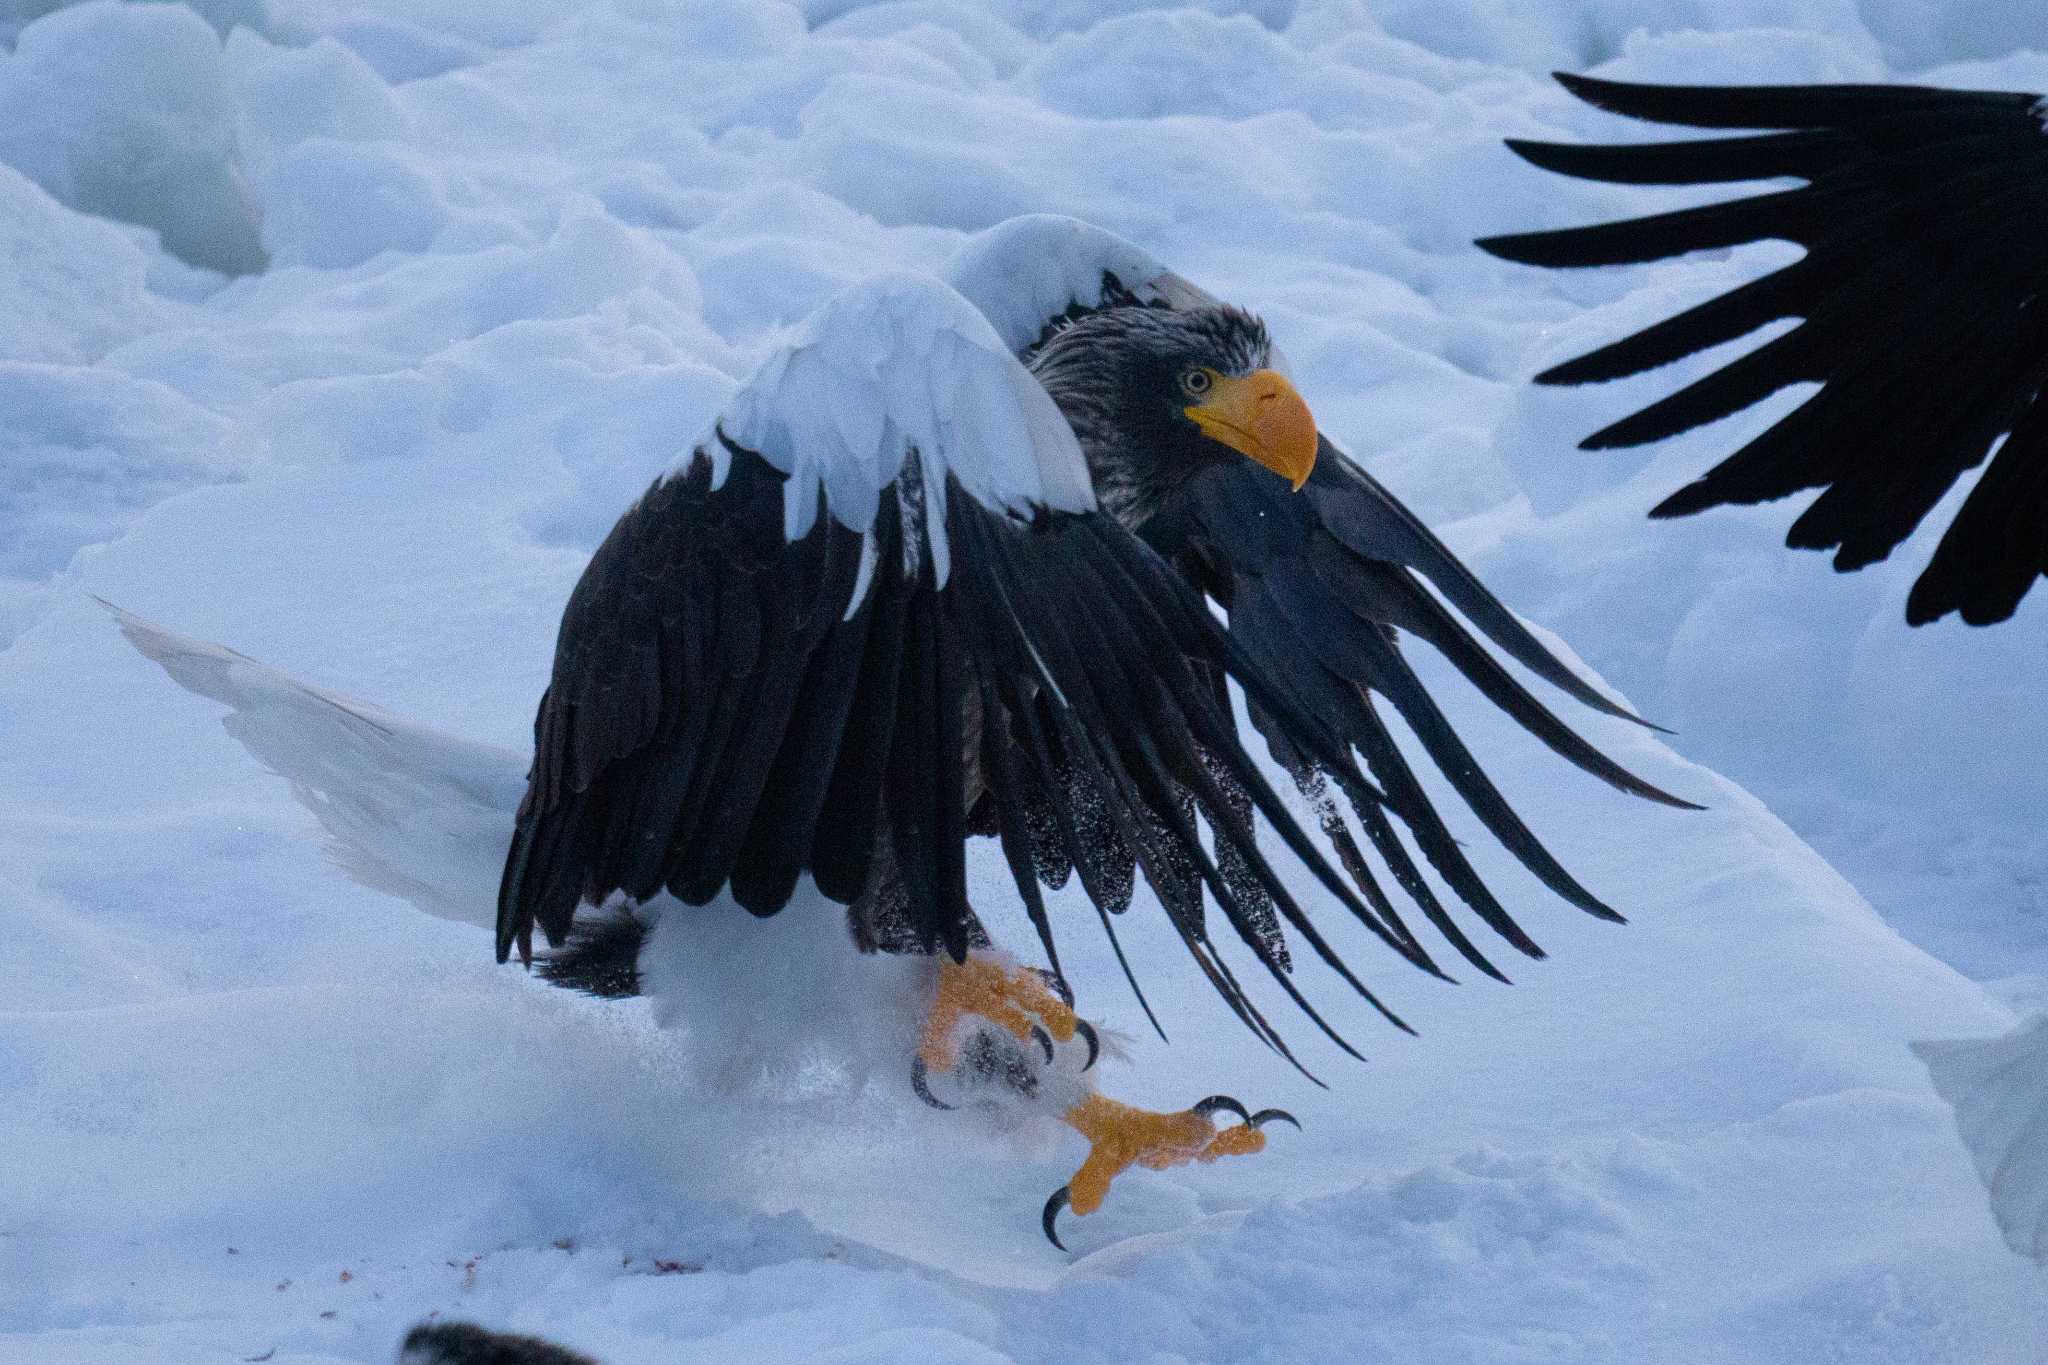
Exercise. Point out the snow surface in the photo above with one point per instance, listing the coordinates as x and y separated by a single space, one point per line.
344 339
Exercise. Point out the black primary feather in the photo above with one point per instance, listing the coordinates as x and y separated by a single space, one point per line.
1919 300
1317 585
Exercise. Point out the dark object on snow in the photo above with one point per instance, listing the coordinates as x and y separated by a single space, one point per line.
1925 223
465 1343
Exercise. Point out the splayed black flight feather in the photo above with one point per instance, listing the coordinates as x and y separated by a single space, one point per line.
1919 303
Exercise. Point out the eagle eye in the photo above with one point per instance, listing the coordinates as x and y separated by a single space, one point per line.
1197 381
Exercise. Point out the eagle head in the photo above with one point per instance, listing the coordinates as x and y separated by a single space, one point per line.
1157 395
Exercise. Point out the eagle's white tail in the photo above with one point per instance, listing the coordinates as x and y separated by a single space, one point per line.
1999 1089
408 810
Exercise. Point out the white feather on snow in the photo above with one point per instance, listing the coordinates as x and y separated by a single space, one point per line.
897 364
426 816
1999 1087
408 810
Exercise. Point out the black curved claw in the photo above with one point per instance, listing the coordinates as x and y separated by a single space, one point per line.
920 1087
1266 1116
1053 1206
1057 984
1044 1040
1090 1037
1207 1108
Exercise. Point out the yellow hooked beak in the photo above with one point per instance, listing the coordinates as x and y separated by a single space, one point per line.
1260 416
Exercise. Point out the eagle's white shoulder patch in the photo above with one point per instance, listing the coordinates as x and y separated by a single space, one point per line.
898 364
1024 272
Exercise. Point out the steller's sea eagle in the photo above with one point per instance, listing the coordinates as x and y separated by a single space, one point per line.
1920 299
945 566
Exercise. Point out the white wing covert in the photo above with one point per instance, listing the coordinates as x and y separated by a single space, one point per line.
1030 274
898 366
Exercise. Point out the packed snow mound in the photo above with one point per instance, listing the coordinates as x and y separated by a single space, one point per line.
127 111
523 255
324 89
83 454
335 204
71 287
223 15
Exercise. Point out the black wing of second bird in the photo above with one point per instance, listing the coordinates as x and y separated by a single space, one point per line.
1925 223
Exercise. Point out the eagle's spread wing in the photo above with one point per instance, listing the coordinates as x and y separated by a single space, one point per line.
1318 587
407 810
1921 297
878 609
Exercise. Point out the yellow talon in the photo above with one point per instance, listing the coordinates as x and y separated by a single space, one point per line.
1240 1139
1121 1136
1014 999
1022 1003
